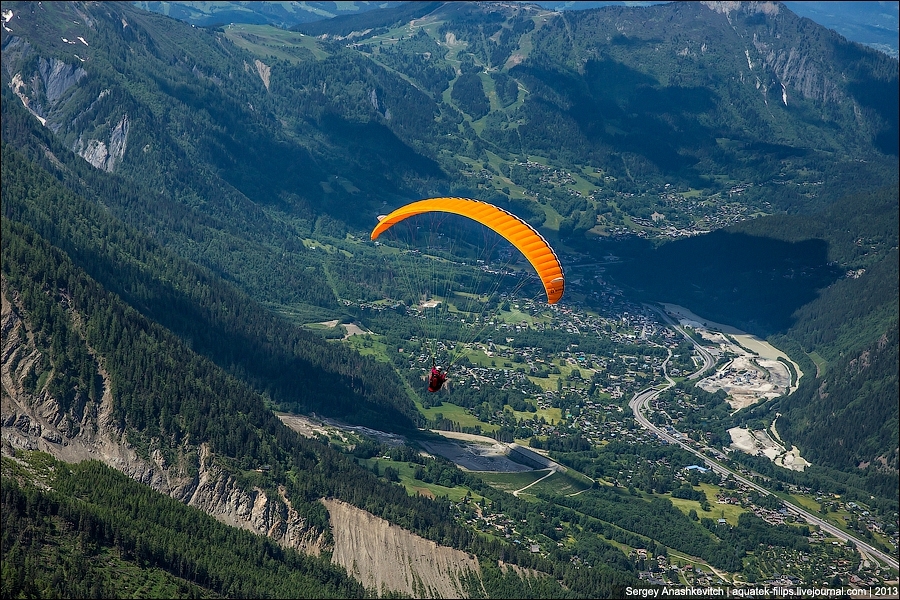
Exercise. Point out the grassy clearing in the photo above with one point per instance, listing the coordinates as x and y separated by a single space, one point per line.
329 186
821 363
478 358
545 384
680 560
729 512
625 548
413 485
806 502
583 185
514 315
501 181
840 518
369 345
265 41
549 414
314 244
510 482
301 314
722 179
455 413
562 484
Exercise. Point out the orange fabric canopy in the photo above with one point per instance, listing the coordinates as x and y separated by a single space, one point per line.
519 233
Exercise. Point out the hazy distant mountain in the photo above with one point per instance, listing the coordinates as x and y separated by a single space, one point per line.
280 14
874 24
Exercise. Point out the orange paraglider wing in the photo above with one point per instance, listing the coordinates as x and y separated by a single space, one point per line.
516 231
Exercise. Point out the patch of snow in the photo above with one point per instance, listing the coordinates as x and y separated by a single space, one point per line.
784 94
82 40
747 54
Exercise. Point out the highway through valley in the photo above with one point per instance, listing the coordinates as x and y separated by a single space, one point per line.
641 401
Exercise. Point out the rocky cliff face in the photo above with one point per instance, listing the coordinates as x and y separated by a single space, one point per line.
41 88
44 85
794 66
384 557
33 420
104 154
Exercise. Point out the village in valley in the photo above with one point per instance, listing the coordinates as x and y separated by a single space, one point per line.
574 392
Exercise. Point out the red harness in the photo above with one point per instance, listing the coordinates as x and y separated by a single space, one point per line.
437 380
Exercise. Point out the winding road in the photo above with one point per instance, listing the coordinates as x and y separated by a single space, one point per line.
642 399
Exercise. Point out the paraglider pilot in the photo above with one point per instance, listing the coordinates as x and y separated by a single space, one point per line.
437 379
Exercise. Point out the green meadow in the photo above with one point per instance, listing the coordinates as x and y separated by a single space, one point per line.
561 483
415 486
264 40
729 512
510 482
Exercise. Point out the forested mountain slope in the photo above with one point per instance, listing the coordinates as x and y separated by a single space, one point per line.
178 202
872 23
84 369
103 535
301 370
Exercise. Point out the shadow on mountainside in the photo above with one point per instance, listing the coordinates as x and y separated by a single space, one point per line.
753 283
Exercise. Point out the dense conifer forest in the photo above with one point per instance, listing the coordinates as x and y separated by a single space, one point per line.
185 242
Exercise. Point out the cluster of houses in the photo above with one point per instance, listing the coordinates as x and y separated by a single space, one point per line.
787 567
861 518
659 570
513 365
480 517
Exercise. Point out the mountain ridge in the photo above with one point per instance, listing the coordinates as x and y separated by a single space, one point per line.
200 197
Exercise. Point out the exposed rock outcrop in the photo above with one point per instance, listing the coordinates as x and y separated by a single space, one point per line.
33 420
40 91
101 155
58 77
385 557
44 91
726 8
264 71
796 70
